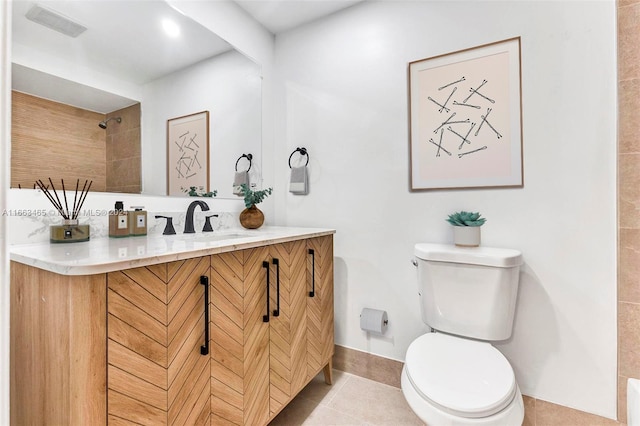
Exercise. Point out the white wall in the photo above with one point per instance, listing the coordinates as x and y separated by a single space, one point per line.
342 93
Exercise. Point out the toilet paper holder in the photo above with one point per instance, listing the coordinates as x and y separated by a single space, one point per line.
374 321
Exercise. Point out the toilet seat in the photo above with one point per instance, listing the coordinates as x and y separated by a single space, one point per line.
462 377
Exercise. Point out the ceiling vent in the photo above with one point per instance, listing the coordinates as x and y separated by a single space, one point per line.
55 21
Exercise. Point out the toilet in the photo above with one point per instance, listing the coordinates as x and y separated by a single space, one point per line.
453 375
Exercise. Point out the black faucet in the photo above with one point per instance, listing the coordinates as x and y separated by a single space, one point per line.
188 223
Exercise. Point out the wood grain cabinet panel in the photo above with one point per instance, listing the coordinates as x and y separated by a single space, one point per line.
258 367
320 327
58 348
288 330
239 338
155 324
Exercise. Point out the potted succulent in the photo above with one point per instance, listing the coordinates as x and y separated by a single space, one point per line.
466 228
251 217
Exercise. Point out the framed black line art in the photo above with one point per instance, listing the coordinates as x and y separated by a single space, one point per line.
465 118
188 153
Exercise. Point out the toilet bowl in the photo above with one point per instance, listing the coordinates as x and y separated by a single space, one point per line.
449 380
454 376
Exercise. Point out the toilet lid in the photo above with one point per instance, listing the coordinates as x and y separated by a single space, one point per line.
466 378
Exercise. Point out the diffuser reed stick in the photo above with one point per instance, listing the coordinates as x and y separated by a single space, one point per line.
57 203
83 196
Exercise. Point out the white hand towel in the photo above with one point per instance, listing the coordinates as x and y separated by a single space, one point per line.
299 183
239 179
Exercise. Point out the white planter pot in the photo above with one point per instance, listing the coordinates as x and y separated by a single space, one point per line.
466 236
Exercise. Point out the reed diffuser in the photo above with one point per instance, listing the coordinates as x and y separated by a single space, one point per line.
70 231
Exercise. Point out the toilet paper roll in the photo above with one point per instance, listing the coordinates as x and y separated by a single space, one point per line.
373 320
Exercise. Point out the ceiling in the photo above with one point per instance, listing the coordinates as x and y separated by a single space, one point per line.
106 48
282 15
108 43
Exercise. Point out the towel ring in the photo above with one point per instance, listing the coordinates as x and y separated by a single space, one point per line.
248 157
302 151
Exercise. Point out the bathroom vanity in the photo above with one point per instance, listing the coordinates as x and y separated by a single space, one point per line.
180 329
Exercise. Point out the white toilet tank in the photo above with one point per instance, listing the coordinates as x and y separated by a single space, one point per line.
468 292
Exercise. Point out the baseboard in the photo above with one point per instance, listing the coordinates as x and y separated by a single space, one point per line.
537 411
369 366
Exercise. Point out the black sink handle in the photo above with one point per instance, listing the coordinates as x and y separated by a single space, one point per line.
168 229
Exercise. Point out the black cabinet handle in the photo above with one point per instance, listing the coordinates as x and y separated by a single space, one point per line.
265 264
204 349
276 312
312 293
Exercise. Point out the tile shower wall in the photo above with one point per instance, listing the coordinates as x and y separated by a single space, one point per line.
628 198
123 158
53 139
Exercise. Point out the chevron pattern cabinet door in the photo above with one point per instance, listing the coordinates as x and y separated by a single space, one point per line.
257 367
288 330
320 336
239 338
156 374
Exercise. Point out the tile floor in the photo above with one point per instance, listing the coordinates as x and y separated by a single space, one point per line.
351 400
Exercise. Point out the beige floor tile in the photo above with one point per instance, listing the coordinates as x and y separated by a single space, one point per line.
351 400
303 411
374 402
318 391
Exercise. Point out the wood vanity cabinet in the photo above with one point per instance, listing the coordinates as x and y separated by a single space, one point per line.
58 349
131 347
261 360
111 348
156 373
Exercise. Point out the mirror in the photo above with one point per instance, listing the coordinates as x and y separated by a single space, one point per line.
123 66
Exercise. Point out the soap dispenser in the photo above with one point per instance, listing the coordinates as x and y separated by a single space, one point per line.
137 221
118 221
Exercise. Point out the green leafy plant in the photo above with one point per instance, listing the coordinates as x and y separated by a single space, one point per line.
466 219
192 191
251 197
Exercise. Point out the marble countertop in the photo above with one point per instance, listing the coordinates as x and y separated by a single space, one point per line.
114 254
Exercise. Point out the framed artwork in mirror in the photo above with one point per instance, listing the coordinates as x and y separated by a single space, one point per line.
466 118
188 153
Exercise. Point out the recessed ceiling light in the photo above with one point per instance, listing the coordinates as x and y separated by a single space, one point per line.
170 28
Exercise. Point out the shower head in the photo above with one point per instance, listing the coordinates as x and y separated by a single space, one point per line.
103 124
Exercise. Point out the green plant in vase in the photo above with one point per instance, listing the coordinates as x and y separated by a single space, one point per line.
463 218
251 197
466 228
251 217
